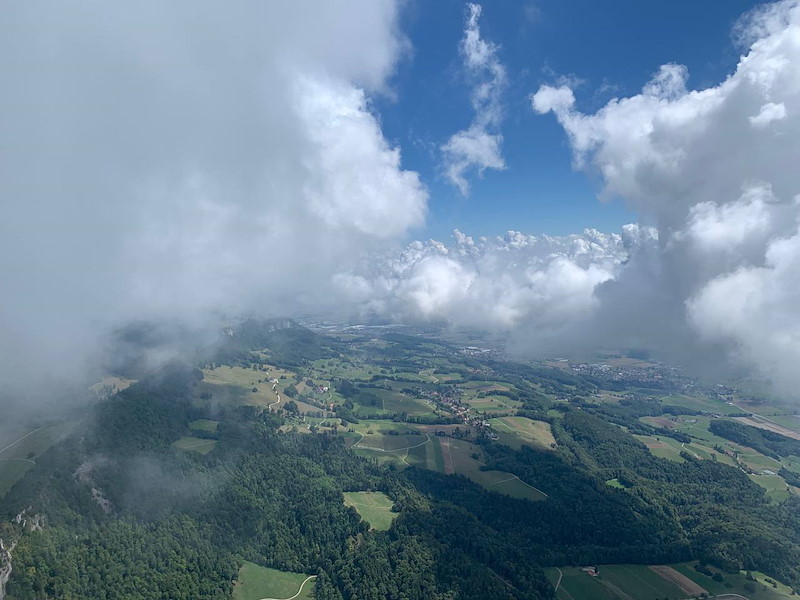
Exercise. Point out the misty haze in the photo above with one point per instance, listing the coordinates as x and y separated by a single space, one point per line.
394 299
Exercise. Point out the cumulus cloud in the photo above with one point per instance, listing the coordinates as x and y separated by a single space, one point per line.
479 146
494 283
715 170
173 158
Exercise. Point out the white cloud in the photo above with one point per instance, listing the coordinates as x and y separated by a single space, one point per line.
769 112
711 168
755 311
174 158
478 147
495 283
548 99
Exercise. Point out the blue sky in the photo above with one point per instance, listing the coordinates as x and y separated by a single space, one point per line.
611 47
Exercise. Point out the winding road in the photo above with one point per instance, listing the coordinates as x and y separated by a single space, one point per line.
278 401
300 591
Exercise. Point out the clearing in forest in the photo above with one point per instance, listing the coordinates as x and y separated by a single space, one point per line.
201 445
374 507
464 458
206 425
734 586
527 430
613 582
261 583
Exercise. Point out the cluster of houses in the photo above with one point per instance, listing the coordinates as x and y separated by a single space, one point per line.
450 401
656 375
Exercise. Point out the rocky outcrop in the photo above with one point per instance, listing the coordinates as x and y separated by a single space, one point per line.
31 521
84 475
5 567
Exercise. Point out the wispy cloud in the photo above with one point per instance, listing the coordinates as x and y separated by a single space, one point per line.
479 146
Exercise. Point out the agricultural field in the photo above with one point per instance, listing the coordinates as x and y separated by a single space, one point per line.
427 456
396 402
479 396
235 385
492 404
515 431
206 425
765 407
774 484
464 458
334 367
663 447
373 507
201 445
760 589
768 425
618 582
19 454
11 471
704 403
704 446
261 583
387 441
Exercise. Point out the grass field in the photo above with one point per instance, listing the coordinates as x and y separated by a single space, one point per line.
234 385
735 584
395 402
19 453
662 447
478 395
255 582
493 404
614 582
704 403
194 444
390 442
427 456
769 425
459 457
640 582
333 367
374 507
11 471
774 484
536 433
204 425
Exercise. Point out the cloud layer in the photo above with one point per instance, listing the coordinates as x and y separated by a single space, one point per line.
494 283
173 158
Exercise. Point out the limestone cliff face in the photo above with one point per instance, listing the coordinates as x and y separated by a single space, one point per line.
5 567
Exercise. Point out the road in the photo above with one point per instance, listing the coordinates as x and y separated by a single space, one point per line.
20 439
358 445
278 401
300 591
560 577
